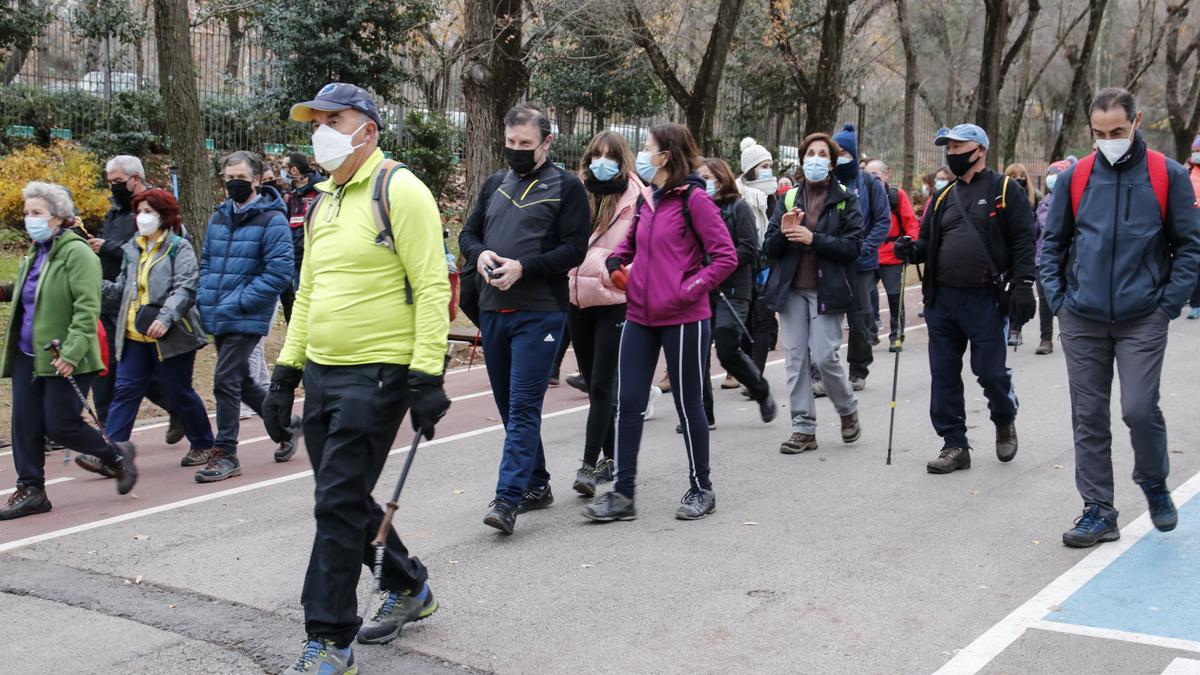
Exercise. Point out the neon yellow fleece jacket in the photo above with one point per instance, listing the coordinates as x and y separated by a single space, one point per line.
350 308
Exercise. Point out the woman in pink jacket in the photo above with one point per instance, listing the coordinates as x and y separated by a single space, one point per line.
677 251
597 309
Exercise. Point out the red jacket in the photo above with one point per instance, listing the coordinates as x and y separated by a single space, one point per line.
912 228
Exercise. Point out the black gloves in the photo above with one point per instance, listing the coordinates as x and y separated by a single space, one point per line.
613 263
277 407
427 401
1022 307
905 248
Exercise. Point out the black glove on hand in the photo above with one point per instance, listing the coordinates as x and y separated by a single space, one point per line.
613 264
427 401
277 406
1023 307
904 248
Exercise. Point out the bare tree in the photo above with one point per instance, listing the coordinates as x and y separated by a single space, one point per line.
1183 105
996 62
1080 58
821 91
699 103
912 89
1140 61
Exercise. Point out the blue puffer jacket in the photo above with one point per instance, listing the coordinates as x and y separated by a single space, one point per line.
246 263
1118 260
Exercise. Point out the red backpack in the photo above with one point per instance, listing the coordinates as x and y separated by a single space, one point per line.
1155 161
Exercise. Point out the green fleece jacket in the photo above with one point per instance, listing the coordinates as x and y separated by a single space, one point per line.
67 308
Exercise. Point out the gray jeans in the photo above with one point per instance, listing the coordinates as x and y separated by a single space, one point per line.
1137 347
233 383
804 330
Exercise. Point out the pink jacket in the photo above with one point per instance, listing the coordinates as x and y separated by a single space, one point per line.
590 285
668 280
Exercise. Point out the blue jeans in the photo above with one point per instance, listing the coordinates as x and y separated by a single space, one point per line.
139 363
962 316
519 349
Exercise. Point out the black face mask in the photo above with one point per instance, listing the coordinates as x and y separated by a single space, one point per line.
960 164
1023 183
121 193
239 190
846 173
521 161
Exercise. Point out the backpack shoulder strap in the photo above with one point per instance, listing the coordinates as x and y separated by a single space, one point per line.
894 200
311 213
687 211
381 207
1004 192
1156 162
1079 180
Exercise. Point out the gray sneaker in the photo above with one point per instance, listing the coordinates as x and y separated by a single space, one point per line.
397 609
288 448
322 656
696 504
610 506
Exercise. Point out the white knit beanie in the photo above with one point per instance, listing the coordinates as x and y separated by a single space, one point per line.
753 154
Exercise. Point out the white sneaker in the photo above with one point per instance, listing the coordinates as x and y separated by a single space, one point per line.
246 413
655 393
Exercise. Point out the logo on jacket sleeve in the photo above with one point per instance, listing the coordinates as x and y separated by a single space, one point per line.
549 338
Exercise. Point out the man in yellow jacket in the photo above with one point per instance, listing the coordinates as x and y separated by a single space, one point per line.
368 338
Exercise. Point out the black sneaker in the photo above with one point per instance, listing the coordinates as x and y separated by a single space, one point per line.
220 466
950 460
175 430
196 457
93 464
798 443
1006 442
502 516
1162 507
696 504
125 470
536 499
606 471
576 381
288 448
397 609
767 409
585 480
26 501
1091 529
609 507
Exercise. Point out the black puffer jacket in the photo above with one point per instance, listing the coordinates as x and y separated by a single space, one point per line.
740 220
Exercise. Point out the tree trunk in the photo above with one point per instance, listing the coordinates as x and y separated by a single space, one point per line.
1079 94
1183 108
912 89
236 30
821 93
12 67
494 78
987 91
177 84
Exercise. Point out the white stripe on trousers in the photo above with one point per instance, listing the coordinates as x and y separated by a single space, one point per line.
688 442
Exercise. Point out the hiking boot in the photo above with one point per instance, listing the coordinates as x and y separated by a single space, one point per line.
502 516
1006 442
1162 508
768 409
606 471
730 382
26 501
858 383
1091 529
950 460
665 384
397 609
851 429
321 656
894 348
175 430
288 448
576 381
696 504
220 466
125 471
196 457
93 464
609 507
585 480
1015 340
536 499
798 443
819 389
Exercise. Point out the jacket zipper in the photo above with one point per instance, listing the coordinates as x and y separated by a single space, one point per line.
1112 258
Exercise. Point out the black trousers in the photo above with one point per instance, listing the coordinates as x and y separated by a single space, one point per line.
727 335
859 355
104 388
597 335
233 385
351 416
47 407
764 326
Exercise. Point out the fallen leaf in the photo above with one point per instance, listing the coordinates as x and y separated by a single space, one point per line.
141 537
453 562
585 565
170 606
492 419
127 582
1058 466
458 492
975 492
1177 452
1037 541
750 522
133 496
137 579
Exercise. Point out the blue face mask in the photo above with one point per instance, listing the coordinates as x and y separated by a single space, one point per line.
842 161
644 167
1050 181
38 228
603 169
765 174
816 169
710 186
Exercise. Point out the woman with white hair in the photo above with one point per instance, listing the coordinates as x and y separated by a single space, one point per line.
56 297
759 188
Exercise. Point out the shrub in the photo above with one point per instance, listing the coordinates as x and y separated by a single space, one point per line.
132 124
431 151
63 163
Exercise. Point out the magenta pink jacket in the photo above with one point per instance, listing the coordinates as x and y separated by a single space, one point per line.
590 285
668 281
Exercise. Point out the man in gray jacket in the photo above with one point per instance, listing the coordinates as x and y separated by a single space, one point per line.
1122 250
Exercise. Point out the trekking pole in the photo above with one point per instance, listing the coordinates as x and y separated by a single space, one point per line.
52 347
896 369
741 324
380 542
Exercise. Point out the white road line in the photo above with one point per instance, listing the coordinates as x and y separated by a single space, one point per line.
52 481
1183 667
975 656
1124 636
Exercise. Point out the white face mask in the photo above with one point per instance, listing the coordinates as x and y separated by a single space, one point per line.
940 184
148 223
1114 150
331 147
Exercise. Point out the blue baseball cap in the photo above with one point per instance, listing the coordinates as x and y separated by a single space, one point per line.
338 96
963 132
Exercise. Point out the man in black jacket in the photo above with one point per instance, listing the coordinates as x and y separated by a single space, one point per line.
977 242
298 174
528 228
